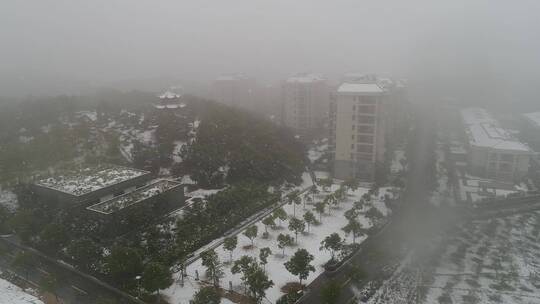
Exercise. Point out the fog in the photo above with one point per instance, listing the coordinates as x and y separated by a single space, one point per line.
485 50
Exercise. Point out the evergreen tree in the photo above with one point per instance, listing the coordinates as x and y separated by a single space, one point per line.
297 226
332 243
309 219
230 244
156 277
251 233
299 264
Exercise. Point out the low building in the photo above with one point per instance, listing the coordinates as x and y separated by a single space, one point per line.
164 195
530 130
88 186
492 151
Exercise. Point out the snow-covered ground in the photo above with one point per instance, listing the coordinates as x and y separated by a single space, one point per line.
11 294
489 261
8 199
473 188
331 223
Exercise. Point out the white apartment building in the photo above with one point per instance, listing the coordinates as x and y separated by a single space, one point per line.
305 99
492 151
358 128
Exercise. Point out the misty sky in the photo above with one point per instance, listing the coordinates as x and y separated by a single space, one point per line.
53 46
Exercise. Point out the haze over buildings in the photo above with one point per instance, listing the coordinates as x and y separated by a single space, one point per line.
459 47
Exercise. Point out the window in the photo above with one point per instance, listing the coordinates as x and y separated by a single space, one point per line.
507 157
365 156
353 117
352 137
353 107
366 139
366 119
352 146
366 129
353 127
367 109
368 100
365 148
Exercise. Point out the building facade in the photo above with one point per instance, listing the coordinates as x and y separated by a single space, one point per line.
357 130
305 99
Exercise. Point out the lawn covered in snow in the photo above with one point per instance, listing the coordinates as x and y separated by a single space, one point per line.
331 222
11 294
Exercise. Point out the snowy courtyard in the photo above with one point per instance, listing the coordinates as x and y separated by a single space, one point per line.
332 221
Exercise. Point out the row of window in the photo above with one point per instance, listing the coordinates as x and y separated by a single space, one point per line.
364 129
361 156
366 139
362 119
362 148
365 99
367 109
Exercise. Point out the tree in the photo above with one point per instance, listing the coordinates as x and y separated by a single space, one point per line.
53 237
293 198
251 233
320 207
155 277
313 190
284 240
253 277
268 222
85 253
355 228
310 219
307 198
124 263
330 292
299 264
298 226
264 253
206 295
214 269
332 243
258 283
244 265
326 183
374 214
280 214
329 200
352 213
230 244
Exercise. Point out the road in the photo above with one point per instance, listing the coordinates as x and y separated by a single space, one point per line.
72 287
410 226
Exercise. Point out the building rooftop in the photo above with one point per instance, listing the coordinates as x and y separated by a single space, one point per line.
231 77
360 88
305 78
484 131
88 180
533 118
132 198
169 95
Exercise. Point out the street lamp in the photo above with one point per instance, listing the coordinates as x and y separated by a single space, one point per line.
138 278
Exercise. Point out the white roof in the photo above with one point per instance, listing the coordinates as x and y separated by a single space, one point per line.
360 88
90 179
534 118
305 78
484 131
169 95
230 77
